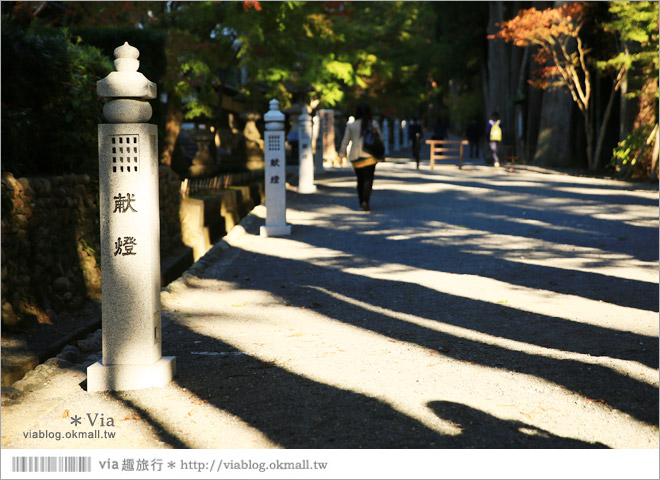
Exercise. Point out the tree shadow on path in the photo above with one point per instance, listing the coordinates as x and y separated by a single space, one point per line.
481 430
297 412
302 284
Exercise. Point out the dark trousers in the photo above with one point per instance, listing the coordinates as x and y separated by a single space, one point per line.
415 148
365 182
474 149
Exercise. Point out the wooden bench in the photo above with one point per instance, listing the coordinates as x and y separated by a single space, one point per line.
446 149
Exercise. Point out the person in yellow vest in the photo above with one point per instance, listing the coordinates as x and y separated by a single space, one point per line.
494 133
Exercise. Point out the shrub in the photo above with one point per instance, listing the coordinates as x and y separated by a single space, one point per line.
632 157
50 110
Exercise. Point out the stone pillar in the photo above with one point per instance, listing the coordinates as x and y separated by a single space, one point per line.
130 253
254 144
328 121
294 129
275 172
204 163
306 171
317 142
386 136
396 132
404 133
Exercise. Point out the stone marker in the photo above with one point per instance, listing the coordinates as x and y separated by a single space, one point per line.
275 172
130 241
306 171
396 130
386 136
328 122
404 130
317 141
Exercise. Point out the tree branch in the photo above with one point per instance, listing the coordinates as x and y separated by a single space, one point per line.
567 77
583 93
582 52
38 10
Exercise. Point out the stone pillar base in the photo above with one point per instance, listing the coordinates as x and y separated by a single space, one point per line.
274 230
307 189
130 377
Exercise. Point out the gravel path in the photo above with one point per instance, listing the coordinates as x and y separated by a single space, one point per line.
474 308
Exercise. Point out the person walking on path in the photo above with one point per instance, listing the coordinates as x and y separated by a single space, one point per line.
439 130
494 133
363 163
473 133
415 136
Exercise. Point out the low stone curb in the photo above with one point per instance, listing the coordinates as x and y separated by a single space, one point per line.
85 352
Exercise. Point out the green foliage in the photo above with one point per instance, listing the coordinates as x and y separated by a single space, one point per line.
188 47
635 25
636 21
332 54
397 55
632 156
50 110
345 52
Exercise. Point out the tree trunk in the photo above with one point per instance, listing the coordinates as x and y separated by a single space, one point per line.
553 147
504 79
627 108
653 173
521 151
589 133
595 160
557 141
534 111
498 66
616 85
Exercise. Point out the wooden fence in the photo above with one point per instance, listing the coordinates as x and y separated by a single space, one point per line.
447 149
194 186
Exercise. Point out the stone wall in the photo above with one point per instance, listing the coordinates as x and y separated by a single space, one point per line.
208 217
50 238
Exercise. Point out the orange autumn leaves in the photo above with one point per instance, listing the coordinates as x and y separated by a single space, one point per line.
550 30
248 5
537 27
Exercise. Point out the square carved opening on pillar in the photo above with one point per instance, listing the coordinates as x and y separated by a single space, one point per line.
125 153
273 143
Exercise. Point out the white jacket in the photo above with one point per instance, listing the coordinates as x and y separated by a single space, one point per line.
352 136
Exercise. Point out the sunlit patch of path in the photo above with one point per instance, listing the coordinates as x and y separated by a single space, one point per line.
569 307
531 251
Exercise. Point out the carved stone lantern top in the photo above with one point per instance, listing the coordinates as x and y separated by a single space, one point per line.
274 118
126 82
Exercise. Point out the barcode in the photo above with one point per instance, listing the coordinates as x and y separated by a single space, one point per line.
51 464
